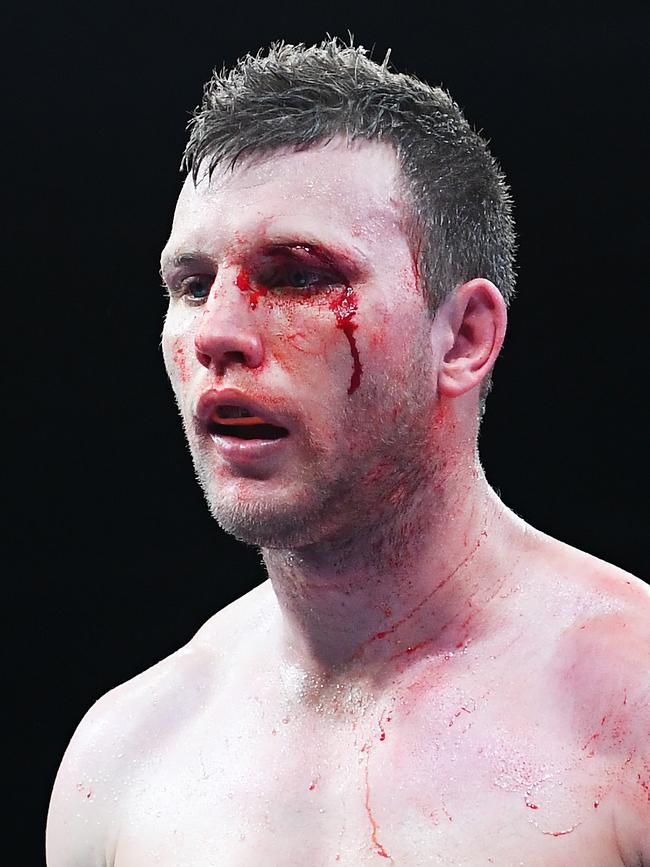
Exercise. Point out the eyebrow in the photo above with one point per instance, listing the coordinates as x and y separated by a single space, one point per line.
187 257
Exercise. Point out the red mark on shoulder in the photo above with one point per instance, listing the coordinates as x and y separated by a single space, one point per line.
463 708
85 791
382 730
345 307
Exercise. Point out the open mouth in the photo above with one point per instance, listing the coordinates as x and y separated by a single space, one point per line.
239 423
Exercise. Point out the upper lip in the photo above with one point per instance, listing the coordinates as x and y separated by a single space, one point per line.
210 401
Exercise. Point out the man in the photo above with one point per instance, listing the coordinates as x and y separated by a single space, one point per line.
425 679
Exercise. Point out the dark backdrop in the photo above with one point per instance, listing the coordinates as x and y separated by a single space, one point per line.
115 561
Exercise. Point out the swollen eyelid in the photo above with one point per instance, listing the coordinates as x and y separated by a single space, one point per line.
299 279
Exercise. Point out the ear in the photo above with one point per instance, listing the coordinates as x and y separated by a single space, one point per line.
476 325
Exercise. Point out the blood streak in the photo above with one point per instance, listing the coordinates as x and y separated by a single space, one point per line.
379 849
243 282
345 307
382 730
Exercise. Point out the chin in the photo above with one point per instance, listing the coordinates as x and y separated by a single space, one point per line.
266 524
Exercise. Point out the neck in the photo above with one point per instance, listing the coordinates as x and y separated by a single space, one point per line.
425 582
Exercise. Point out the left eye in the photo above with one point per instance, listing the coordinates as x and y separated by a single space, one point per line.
300 278
306 281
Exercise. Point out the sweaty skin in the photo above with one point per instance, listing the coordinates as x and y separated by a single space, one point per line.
424 679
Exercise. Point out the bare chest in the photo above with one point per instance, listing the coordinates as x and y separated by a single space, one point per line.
421 778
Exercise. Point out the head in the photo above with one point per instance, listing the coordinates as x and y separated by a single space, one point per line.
393 211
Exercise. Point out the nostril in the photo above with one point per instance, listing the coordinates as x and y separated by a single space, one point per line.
234 356
203 358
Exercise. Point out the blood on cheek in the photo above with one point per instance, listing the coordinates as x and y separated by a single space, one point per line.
344 307
178 355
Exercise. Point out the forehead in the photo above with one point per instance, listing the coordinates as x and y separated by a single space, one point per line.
349 193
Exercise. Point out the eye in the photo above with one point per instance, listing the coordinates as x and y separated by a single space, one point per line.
297 279
196 288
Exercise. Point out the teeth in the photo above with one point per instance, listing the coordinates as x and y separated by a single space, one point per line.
231 412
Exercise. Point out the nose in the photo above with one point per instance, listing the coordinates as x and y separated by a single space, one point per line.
227 333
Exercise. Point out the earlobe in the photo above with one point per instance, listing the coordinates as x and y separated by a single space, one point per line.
478 320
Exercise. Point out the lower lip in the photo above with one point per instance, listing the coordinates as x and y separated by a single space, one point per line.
246 451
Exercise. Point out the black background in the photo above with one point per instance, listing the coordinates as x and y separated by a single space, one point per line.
115 560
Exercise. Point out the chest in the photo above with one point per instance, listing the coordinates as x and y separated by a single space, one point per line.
448 781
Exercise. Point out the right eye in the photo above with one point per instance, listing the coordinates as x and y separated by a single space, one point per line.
196 288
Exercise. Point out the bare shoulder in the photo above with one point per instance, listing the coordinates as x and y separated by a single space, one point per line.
601 637
127 729
600 682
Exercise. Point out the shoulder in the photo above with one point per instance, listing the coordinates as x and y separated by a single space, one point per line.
83 817
123 733
600 655
600 682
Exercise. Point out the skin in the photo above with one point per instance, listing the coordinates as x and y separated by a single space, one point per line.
424 679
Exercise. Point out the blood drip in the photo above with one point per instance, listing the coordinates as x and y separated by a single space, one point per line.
244 284
379 849
345 309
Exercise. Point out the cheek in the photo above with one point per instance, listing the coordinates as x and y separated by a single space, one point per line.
300 337
376 336
295 334
179 360
176 349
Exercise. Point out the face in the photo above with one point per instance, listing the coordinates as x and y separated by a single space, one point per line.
298 344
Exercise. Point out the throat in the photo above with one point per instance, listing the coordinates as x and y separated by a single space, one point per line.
364 615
